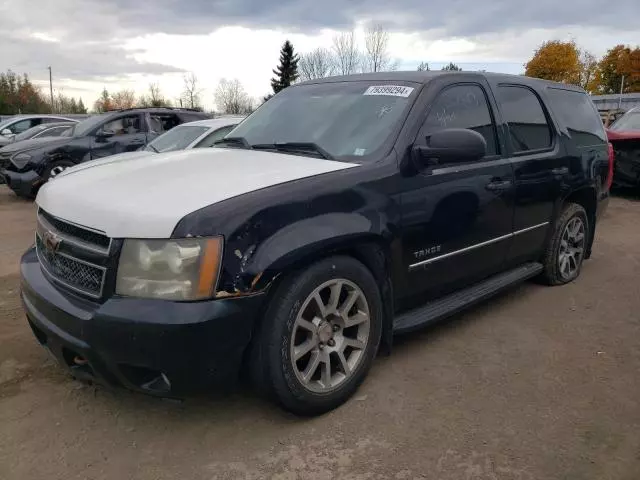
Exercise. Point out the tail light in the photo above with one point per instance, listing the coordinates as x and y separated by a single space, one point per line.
611 159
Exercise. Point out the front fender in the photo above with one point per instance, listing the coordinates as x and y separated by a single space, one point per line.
252 266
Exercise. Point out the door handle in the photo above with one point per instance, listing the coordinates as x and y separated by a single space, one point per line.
560 171
498 185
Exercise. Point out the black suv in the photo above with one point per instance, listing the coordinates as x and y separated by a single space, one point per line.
343 211
26 166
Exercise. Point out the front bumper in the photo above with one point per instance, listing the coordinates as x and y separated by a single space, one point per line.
24 184
156 347
627 167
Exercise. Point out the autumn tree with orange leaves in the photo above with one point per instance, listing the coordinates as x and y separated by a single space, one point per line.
564 62
620 61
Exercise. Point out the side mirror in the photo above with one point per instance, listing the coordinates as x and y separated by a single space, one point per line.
102 135
452 145
7 133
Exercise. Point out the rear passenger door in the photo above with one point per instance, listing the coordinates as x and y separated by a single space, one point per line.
457 218
539 164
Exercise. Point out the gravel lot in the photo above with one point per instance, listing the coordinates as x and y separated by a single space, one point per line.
541 383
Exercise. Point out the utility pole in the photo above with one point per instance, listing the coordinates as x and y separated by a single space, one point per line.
621 90
51 89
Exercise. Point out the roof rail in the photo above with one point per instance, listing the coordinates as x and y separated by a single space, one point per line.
153 108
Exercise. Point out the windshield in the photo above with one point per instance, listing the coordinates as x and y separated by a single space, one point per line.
178 138
85 126
29 133
349 121
629 121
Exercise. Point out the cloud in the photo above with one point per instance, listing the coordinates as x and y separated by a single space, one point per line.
93 42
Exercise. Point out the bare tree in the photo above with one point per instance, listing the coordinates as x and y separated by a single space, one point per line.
192 91
588 70
231 98
347 56
318 63
376 44
123 99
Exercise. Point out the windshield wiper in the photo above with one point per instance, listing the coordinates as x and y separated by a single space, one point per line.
302 147
153 148
240 142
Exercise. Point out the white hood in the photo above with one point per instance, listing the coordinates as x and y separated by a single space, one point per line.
146 196
103 161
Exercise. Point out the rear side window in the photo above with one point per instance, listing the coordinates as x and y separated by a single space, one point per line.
462 106
579 115
523 112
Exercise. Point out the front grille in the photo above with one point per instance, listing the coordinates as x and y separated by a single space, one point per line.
73 256
73 273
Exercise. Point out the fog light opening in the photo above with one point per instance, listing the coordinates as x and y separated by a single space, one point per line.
78 360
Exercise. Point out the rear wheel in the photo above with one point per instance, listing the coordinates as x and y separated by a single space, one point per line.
566 250
319 336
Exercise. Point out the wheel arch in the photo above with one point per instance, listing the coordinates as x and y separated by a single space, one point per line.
373 251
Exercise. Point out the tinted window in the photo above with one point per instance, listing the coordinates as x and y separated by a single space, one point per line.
579 115
128 125
523 112
462 106
213 137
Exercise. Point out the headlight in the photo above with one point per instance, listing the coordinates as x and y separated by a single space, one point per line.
20 159
182 269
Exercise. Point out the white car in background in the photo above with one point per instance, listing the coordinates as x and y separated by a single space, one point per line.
198 134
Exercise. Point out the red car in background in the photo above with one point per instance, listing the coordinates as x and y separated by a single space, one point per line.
624 135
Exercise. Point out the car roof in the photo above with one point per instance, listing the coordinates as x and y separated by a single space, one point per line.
42 115
216 122
426 76
57 124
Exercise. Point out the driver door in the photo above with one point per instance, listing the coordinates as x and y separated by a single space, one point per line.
457 217
123 134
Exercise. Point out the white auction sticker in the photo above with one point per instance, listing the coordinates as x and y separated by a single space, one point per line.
389 90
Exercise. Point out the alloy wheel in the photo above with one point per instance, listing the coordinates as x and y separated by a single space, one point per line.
571 250
330 335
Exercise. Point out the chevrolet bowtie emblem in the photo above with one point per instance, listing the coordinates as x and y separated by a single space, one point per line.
51 241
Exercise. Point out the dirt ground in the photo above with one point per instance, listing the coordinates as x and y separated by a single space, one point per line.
541 383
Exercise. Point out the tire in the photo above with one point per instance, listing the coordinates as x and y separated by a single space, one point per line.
56 167
283 335
562 241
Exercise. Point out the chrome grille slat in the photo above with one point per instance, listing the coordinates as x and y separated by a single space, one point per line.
68 268
85 234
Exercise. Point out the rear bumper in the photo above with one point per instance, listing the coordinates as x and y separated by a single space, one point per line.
23 184
156 347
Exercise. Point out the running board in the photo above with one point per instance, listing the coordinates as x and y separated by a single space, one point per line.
460 300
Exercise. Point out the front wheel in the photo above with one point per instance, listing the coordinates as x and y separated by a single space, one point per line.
56 168
566 249
320 335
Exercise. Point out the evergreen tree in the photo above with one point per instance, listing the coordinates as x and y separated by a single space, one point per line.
287 72
81 107
452 67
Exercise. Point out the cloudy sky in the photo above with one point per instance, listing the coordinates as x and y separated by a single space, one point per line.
123 44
